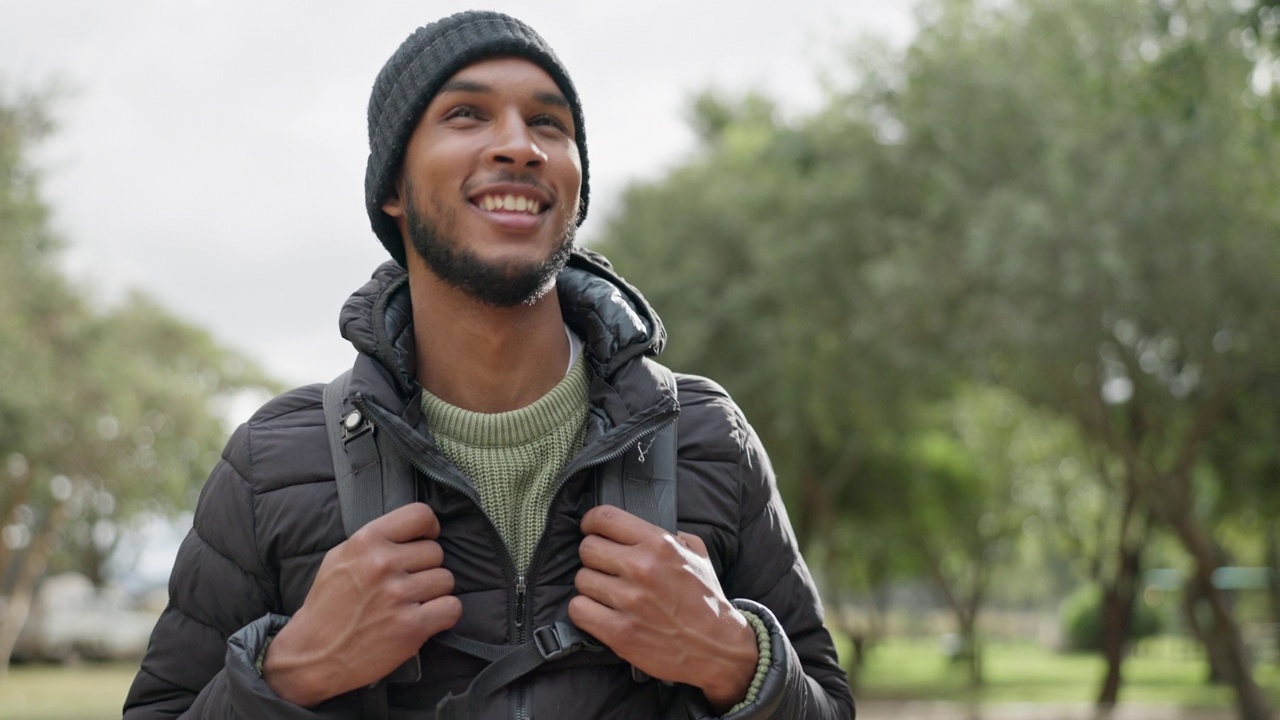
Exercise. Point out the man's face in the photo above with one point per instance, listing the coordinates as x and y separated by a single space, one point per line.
489 189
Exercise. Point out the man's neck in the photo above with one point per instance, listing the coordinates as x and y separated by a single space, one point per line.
481 358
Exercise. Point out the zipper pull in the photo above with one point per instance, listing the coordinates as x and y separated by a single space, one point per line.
520 590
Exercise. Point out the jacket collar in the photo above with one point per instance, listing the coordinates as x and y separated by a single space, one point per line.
616 322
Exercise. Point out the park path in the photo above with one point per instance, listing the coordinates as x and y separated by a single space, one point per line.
893 710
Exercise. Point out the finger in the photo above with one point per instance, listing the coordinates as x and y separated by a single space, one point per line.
602 554
439 614
605 589
594 618
617 525
419 555
414 521
422 587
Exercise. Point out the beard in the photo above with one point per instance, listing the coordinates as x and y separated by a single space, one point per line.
501 285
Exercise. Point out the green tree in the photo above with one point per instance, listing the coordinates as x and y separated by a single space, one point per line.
105 414
1072 201
1100 176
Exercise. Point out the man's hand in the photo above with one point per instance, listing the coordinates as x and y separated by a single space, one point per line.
376 599
654 599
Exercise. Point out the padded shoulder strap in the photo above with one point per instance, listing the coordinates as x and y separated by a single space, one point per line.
356 465
367 486
643 480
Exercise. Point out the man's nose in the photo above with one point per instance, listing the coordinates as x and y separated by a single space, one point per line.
515 145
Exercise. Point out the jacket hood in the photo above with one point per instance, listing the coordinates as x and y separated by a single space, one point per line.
613 318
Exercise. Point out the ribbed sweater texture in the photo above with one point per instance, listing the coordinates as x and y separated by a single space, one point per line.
515 458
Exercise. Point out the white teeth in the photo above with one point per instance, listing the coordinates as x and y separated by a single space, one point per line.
510 203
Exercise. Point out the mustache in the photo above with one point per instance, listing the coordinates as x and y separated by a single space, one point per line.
507 177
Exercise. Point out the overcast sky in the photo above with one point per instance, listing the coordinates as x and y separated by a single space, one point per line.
211 153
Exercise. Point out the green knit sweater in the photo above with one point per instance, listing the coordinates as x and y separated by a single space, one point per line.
514 458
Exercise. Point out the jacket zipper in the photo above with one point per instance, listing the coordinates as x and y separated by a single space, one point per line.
575 467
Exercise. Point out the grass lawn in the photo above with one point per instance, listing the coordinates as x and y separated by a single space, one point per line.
1165 671
89 691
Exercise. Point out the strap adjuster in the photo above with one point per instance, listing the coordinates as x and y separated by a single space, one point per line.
562 638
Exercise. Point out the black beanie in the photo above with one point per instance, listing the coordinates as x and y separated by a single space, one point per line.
413 75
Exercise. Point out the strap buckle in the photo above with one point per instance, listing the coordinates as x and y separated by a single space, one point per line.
562 638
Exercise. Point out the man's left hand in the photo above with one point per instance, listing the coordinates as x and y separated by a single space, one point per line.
654 599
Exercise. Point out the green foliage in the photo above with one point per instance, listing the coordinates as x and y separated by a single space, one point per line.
1081 620
1070 206
105 412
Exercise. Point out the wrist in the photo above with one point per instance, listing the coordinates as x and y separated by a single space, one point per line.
730 680
291 673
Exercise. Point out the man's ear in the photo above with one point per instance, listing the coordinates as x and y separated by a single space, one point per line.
394 205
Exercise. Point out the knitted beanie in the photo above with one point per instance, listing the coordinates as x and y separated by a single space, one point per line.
413 75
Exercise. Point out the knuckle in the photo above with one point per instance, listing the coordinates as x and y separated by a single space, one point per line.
379 564
646 568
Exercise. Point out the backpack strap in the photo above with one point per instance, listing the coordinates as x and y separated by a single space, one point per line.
367 488
643 481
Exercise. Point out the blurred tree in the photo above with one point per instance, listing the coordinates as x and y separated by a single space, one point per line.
1101 177
962 515
1074 201
105 414
761 254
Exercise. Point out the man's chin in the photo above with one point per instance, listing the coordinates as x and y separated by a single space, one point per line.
500 285
495 279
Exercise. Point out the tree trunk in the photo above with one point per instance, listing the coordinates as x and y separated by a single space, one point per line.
1118 602
966 612
970 653
33 566
1273 581
1222 636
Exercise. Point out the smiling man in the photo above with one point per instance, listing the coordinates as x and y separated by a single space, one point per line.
505 374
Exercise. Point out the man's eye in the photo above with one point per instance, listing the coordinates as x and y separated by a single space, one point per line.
550 121
461 112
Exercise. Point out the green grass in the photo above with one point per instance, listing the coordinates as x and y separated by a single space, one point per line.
52 692
1165 672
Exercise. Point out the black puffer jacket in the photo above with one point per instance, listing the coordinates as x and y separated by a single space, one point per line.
269 512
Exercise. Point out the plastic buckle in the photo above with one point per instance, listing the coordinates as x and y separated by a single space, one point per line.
560 639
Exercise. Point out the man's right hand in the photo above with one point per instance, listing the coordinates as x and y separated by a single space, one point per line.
376 599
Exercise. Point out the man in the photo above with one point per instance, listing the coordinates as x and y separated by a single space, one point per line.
507 368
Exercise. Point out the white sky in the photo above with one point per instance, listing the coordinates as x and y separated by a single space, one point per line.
211 153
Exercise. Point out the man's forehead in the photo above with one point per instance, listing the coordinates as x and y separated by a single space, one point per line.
489 70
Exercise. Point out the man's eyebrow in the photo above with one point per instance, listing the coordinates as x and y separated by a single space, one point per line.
471 86
548 98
